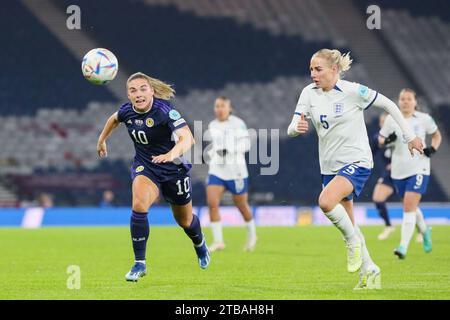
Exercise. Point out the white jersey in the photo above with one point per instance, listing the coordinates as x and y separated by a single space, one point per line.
231 135
338 118
403 164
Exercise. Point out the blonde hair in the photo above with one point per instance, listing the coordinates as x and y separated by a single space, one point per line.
335 57
162 90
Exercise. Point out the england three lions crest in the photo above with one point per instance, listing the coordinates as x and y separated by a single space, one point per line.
338 108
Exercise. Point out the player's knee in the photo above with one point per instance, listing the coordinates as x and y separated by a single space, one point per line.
140 204
242 205
409 206
184 222
239 203
213 204
325 204
140 207
376 198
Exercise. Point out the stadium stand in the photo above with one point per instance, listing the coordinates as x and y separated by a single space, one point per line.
289 17
433 8
31 68
420 38
260 63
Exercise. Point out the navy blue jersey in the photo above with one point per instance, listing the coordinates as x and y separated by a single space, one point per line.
151 133
386 151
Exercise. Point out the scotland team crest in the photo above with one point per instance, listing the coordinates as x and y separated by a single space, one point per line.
338 108
149 122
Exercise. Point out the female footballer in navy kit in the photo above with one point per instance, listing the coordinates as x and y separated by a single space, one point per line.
158 165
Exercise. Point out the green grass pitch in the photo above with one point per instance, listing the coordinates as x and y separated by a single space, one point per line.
288 263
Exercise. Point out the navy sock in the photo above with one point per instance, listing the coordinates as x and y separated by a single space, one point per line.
139 233
194 231
382 211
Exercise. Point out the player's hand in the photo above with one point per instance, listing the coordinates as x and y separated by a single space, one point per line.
222 152
101 149
163 158
391 138
416 144
429 151
302 125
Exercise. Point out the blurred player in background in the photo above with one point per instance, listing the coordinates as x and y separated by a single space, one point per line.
158 165
384 187
410 176
107 199
228 171
335 108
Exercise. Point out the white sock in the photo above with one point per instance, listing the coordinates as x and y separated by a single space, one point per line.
339 217
420 221
141 261
408 225
367 260
217 231
251 229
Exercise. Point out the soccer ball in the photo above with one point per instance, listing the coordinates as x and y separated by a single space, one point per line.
99 66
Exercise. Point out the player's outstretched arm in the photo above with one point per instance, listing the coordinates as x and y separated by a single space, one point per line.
184 143
298 125
390 107
111 124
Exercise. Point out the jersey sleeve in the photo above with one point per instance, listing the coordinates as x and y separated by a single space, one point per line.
387 127
430 125
207 135
122 113
303 107
365 96
241 143
303 104
175 121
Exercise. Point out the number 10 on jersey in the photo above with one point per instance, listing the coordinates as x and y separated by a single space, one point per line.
185 184
140 137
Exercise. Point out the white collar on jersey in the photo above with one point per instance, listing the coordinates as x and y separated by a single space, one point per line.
140 112
337 86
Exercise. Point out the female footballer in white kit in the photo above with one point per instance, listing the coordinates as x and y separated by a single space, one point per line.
410 176
335 108
228 171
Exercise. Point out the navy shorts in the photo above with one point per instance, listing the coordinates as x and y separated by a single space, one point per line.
174 187
417 183
386 179
238 186
356 175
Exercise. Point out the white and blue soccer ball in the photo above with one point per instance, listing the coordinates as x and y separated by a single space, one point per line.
99 66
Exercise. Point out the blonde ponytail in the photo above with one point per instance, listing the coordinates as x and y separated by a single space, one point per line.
335 57
162 90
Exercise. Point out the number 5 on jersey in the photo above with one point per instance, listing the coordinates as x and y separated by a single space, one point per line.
323 121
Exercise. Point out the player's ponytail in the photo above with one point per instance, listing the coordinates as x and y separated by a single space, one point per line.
335 57
162 90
